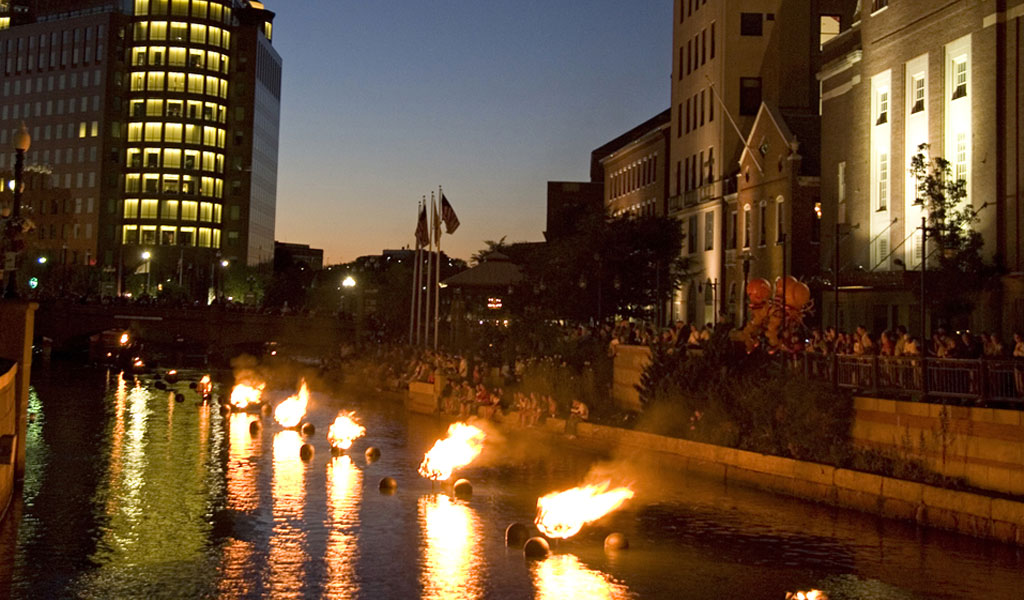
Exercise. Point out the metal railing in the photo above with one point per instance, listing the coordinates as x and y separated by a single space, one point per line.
971 381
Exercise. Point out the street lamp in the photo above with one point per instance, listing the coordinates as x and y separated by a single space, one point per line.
147 256
22 142
349 282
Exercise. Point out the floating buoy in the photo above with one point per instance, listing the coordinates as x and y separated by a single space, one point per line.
254 427
171 376
388 485
179 397
463 489
616 541
536 548
306 452
308 429
516 535
192 385
372 453
159 385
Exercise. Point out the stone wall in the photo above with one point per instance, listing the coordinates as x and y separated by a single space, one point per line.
8 432
983 445
972 514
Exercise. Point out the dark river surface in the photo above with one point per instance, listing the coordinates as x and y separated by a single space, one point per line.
129 494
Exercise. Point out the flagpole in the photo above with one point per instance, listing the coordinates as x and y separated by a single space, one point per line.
414 302
437 269
429 278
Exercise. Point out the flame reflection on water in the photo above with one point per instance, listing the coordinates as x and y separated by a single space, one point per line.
451 564
564 577
344 494
286 564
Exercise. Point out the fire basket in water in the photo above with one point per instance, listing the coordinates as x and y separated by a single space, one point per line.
243 395
344 430
290 412
462 445
563 514
811 595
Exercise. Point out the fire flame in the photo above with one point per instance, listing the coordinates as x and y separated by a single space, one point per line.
290 412
462 445
811 595
563 514
344 431
243 395
124 339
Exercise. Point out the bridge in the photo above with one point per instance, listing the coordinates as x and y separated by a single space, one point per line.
203 330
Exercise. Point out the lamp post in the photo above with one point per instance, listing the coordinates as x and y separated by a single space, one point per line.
148 256
22 142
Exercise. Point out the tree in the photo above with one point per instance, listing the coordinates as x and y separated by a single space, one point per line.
961 269
492 246
624 266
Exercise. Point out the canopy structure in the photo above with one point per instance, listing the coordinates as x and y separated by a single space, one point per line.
494 272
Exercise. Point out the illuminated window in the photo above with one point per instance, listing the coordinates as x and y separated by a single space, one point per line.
155 81
212 85
130 234
179 7
209 188
748 226
882 108
131 208
83 129
147 235
141 32
209 136
215 242
138 82
195 85
959 77
196 59
152 158
158 30
134 158
225 39
156 55
193 135
189 210
217 212
175 83
883 181
960 162
167 235
187 236
198 34
174 107
154 131
138 56
176 57
170 210
142 7
214 35
204 237
215 11
179 31
209 161
149 209
172 132
154 108
709 230
917 93
170 184
135 132
151 183
199 8
206 211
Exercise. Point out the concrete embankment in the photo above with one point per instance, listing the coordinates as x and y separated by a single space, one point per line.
969 513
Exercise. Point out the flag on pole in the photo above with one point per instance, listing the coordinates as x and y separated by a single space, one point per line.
451 222
422 235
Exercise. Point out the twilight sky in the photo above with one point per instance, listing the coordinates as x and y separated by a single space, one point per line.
384 101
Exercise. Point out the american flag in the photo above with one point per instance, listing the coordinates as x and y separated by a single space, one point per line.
451 222
422 237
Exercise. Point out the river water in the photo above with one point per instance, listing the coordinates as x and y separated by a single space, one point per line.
130 494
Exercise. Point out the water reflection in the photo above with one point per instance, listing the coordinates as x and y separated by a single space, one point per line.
564 577
344 494
451 563
243 497
286 571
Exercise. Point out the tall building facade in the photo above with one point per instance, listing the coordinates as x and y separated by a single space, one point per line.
952 80
729 57
161 119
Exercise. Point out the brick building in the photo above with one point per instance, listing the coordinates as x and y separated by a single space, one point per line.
906 73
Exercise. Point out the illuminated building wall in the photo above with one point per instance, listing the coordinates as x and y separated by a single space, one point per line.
951 80
160 117
729 56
